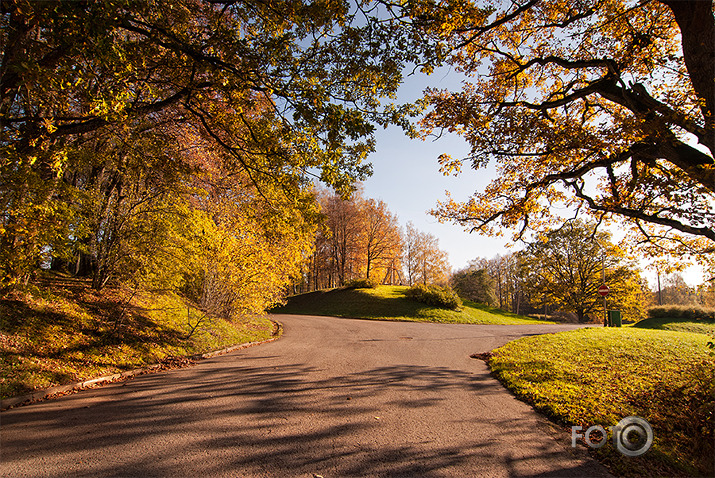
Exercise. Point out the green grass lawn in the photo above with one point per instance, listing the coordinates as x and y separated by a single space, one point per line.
678 325
391 303
599 376
62 334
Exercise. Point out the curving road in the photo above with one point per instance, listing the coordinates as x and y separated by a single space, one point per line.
332 398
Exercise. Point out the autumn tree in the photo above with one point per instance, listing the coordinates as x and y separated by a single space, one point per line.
604 108
286 90
320 266
171 145
410 252
382 240
676 291
423 260
566 267
706 294
360 238
130 201
346 232
248 250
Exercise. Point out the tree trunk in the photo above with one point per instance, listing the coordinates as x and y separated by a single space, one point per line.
581 316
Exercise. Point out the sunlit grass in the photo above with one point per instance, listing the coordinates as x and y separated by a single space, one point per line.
678 325
391 303
598 376
54 336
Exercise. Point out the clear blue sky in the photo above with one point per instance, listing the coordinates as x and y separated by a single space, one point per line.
406 176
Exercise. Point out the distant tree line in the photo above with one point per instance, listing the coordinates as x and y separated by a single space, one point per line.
559 274
361 238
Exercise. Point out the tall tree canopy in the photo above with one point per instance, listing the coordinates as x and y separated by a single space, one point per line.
567 266
423 260
605 107
73 68
382 241
361 239
108 107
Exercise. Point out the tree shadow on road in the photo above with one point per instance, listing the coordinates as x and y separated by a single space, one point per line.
231 418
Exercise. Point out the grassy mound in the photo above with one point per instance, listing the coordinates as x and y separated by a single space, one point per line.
599 376
392 303
65 332
702 326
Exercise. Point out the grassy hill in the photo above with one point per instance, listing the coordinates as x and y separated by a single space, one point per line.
61 331
598 376
391 303
678 325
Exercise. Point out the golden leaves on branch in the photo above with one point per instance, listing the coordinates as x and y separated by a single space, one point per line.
584 110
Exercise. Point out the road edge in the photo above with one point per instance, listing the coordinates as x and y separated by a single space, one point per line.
61 390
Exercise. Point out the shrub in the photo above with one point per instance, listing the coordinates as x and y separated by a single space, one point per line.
686 312
475 285
362 284
436 296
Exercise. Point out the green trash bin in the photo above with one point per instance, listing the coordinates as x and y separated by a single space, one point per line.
614 318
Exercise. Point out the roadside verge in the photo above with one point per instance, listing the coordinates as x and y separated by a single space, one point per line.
172 363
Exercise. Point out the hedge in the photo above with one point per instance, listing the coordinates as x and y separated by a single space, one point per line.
687 312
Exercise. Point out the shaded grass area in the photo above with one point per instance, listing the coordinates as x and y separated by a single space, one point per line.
702 326
392 303
598 376
64 332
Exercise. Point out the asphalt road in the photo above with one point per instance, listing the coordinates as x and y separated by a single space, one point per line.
332 398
